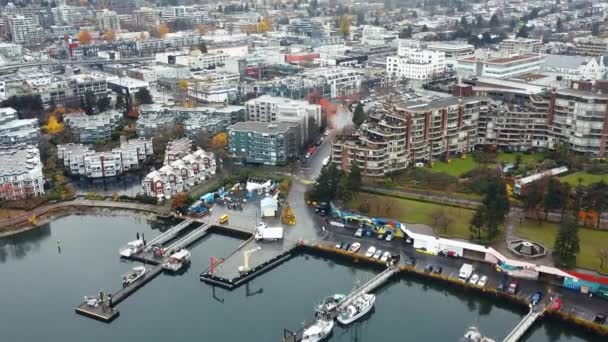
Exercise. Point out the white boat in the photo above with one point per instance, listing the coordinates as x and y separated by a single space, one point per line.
330 303
132 247
133 275
357 309
319 331
473 335
177 260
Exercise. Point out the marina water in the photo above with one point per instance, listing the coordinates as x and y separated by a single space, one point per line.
46 272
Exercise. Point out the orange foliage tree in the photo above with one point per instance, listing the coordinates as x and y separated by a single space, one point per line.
53 126
163 29
219 141
110 36
84 37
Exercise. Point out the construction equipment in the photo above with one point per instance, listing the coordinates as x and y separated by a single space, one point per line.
287 215
246 254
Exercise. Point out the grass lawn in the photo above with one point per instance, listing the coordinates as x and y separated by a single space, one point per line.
8 213
591 241
587 178
411 211
456 167
526 158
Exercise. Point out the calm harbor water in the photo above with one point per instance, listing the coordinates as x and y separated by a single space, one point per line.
40 288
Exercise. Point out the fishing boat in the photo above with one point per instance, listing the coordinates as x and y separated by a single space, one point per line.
356 309
177 260
474 335
319 331
132 276
330 303
132 247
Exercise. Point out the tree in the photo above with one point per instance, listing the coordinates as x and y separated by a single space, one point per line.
406 32
518 159
110 36
354 177
180 201
104 103
345 25
327 186
566 245
84 37
219 141
89 102
597 199
479 20
53 126
464 23
553 198
497 205
202 47
163 29
359 115
602 254
143 96
523 32
533 197
494 21
477 221
120 102
559 26
595 28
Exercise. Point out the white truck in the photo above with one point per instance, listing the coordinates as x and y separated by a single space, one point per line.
465 272
269 233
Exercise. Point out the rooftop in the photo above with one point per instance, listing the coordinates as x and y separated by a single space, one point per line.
19 160
263 127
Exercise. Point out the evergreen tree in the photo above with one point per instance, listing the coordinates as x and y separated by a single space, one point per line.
566 242
494 21
143 96
464 23
359 115
90 102
523 32
552 199
559 26
202 47
497 205
104 103
479 20
120 103
354 177
477 222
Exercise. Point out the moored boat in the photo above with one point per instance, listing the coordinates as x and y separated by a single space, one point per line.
329 303
319 331
132 276
132 247
356 309
177 260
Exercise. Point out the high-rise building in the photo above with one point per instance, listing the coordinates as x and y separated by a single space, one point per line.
25 30
108 20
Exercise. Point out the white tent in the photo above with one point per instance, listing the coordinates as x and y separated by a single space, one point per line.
269 207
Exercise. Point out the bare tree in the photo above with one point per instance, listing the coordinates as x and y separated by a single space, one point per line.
602 254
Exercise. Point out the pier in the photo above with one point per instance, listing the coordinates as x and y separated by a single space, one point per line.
525 324
170 233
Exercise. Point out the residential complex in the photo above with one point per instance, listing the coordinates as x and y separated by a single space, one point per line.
275 143
14 131
88 129
499 67
20 173
416 63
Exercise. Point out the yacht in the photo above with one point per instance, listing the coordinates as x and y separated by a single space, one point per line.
132 247
133 275
357 309
319 331
177 260
330 303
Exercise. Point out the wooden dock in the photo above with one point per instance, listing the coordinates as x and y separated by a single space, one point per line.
105 311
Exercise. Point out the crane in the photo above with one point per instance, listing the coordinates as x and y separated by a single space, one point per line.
246 255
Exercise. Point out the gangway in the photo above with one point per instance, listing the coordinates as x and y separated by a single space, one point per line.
525 324
369 286
189 238
169 234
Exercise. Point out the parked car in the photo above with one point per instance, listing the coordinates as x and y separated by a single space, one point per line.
502 285
378 254
385 256
354 248
513 286
389 237
437 269
428 268
536 298
370 251
359 233
339 245
380 236
482 281
600 318
411 261
474 278
345 246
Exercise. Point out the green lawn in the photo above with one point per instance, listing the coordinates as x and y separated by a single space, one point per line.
456 167
411 211
526 158
587 178
591 241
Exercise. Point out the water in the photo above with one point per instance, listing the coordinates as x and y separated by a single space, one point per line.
41 287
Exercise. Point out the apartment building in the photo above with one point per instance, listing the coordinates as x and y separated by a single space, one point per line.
81 160
416 63
81 83
179 175
14 131
20 173
275 143
88 129
108 20
25 30
519 46
376 35
499 67
413 132
452 50
335 82
146 17
591 46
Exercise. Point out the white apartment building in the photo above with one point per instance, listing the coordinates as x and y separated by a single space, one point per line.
501 67
88 129
20 173
376 35
107 20
519 46
591 46
25 30
415 63
340 81
452 51
146 17
14 131
195 59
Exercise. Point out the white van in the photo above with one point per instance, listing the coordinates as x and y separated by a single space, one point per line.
465 272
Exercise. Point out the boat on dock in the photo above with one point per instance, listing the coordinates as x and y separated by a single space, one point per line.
177 260
329 303
132 247
132 276
358 308
318 331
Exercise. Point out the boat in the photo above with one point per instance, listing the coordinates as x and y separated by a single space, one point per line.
132 247
357 308
473 335
319 331
136 273
177 260
330 303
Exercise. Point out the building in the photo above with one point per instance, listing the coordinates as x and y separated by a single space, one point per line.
146 17
179 175
416 63
413 132
275 143
20 173
519 46
127 85
376 35
452 51
14 131
591 46
108 20
81 160
81 83
501 67
25 30
272 109
194 59
89 129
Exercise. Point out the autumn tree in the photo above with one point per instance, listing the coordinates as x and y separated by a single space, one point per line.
110 36
180 201
163 29
183 87
345 25
84 37
202 29
219 141
53 126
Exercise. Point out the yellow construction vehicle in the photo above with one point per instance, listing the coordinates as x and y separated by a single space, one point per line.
287 216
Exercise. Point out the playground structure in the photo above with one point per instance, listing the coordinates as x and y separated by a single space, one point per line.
370 225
